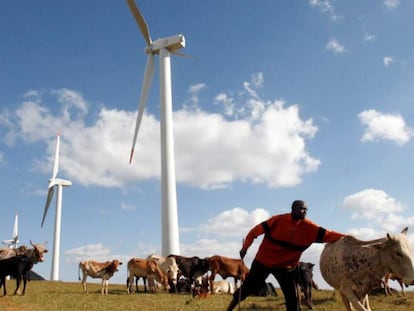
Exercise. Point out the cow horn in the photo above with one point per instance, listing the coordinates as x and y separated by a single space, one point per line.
31 243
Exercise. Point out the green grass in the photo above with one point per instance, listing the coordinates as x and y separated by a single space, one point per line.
47 295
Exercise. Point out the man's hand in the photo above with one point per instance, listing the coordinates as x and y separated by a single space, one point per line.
242 253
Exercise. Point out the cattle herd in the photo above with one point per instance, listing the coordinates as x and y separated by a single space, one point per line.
352 267
178 274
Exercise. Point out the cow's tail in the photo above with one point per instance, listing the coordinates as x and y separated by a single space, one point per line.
79 267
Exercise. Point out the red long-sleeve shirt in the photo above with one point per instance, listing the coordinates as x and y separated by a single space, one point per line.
285 239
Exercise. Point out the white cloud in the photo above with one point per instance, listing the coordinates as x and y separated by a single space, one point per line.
387 60
195 88
128 207
381 126
325 6
372 204
235 222
369 37
193 101
208 247
210 150
391 4
228 104
334 46
91 251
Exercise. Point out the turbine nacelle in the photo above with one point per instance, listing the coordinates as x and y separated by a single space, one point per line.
59 181
11 242
171 43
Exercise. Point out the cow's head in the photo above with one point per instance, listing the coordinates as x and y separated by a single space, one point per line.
396 256
172 270
39 250
116 263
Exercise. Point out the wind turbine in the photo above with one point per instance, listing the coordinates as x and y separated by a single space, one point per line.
59 184
162 47
15 241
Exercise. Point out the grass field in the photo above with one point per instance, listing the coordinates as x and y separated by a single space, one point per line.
48 296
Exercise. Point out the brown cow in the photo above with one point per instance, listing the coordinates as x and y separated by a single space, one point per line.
101 270
226 267
145 268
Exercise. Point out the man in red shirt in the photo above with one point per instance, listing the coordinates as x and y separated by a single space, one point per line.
286 237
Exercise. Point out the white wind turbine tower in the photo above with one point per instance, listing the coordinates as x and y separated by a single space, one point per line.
162 47
59 183
15 240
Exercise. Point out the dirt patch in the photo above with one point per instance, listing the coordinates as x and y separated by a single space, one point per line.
7 305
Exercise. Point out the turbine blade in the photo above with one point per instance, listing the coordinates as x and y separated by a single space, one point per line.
182 54
48 200
148 75
142 24
56 162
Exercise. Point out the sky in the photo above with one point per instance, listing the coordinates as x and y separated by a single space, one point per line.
276 101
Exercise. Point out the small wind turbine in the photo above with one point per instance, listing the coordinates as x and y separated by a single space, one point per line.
15 241
59 183
162 47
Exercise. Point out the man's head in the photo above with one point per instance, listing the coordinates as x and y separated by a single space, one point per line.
299 209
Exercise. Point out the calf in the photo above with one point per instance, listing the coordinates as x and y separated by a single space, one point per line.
184 285
304 281
201 287
222 287
17 267
101 270
146 268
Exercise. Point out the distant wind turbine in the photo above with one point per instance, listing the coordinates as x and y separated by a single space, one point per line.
15 240
162 47
59 183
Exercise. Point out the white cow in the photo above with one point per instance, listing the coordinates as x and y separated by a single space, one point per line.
223 287
169 267
355 267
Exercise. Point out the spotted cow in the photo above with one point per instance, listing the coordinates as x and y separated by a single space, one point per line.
191 267
354 267
98 270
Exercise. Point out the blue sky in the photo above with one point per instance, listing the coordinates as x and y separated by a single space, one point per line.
279 100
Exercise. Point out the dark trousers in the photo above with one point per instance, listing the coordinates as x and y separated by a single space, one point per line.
257 278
